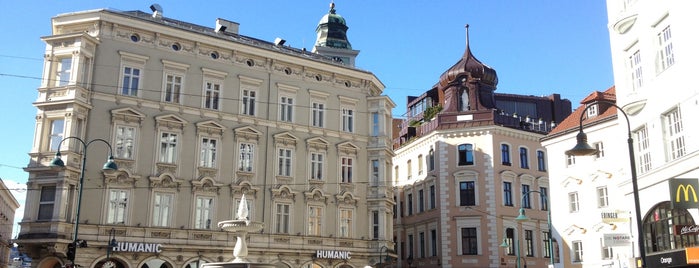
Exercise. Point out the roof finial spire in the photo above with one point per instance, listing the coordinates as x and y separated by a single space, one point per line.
467 49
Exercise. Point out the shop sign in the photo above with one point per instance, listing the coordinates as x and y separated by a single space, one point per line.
683 193
617 240
614 216
138 247
333 254
692 255
686 229
669 259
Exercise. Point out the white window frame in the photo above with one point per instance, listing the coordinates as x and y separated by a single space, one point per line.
665 56
347 119
577 251
285 161
125 138
248 101
163 206
47 199
602 197
317 169
246 156
346 226
168 149
133 62
208 151
64 70
674 134
117 206
375 124
318 114
375 172
211 95
592 110
573 202
282 224
315 220
420 165
643 149
347 168
635 67
600 149
286 108
173 81
204 212
56 133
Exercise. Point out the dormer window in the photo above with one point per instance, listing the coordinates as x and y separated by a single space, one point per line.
592 110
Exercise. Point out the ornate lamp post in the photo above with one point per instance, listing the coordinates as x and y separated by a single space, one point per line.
522 218
58 162
583 148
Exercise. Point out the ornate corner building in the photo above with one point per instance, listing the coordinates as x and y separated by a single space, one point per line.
196 117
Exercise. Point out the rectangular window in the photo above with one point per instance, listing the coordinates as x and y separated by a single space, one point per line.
411 247
118 201
430 160
56 134
547 245
602 197
410 204
544 192
674 130
173 87
421 200
541 160
433 243
507 193
249 102
570 160
46 203
282 219
315 219
86 77
317 160
246 157
467 193
168 147
317 114
523 158
577 251
203 212
666 57
410 169
592 110
469 241
607 252
465 154
286 109
212 92
124 142
284 160
643 149
347 166
433 197
600 149
636 71
130 79
374 172
510 239
346 219
375 124
162 209
505 154
421 245
574 206
347 120
375 224
526 200
529 242
63 71
208 153
420 165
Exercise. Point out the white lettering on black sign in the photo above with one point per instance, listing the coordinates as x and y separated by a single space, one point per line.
333 254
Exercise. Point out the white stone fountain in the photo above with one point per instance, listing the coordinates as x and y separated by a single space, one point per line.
241 226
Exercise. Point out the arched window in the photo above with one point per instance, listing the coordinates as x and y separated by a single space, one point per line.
658 228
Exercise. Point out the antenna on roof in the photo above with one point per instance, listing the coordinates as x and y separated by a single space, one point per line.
157 11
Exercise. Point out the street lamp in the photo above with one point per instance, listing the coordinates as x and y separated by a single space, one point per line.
381 255
112 243
58 162
583 148
522 218
505 244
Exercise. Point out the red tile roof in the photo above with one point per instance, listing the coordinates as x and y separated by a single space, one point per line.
573 120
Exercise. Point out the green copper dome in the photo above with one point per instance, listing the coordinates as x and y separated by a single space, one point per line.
332 31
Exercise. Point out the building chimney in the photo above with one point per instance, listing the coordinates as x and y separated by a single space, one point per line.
223 25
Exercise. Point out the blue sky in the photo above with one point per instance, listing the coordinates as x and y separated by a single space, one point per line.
538 47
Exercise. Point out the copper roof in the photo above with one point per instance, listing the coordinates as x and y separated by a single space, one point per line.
573 120
468 64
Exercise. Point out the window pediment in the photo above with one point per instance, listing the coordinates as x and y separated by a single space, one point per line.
165 181
316 195
120 178
285 138
206 185
210 127
127 115
247 133
244 188
346 198
170 121
283 193
317 143
347 148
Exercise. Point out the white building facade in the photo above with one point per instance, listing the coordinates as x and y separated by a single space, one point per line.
196 117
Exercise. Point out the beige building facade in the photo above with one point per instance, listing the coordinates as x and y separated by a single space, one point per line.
8 206
196 117
467 160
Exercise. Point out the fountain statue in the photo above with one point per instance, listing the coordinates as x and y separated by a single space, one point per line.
240 226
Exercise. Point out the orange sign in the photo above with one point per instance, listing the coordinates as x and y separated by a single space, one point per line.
692 255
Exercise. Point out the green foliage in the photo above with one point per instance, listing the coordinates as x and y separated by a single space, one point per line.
431 112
